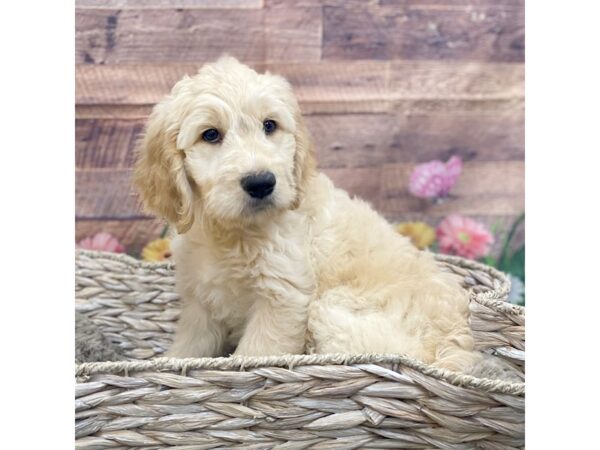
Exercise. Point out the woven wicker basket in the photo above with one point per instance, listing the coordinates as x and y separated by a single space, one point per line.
292 402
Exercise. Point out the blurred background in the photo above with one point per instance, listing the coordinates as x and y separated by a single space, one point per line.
384 85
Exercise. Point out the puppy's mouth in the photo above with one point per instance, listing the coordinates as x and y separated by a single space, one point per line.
256 205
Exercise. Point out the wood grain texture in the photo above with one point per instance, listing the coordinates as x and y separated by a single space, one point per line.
143 36
447 31
128 112
446 4
106 143
404 106
485 188
127 84
273 4
450 3
326 87
344 140
456 80
106 194
492 188
364 140
169 4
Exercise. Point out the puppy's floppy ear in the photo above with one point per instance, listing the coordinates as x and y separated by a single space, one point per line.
304 159
159 173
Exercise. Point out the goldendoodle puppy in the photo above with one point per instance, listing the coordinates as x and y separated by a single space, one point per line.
272 258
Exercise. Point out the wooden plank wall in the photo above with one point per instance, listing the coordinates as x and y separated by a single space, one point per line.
384 84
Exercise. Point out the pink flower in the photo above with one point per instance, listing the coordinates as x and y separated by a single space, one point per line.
458 235
104 242
434 179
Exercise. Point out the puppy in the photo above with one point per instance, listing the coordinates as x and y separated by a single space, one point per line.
271 258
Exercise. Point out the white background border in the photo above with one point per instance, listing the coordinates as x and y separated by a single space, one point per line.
562 198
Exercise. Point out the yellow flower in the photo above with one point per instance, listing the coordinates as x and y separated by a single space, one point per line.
157 250
420 234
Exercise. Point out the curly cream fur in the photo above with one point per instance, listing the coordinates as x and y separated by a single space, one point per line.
314 270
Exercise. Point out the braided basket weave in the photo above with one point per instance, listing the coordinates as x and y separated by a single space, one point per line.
289 402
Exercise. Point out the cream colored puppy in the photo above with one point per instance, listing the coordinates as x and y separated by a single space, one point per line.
271 258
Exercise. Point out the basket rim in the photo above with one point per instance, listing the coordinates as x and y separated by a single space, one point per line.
241 363
492 298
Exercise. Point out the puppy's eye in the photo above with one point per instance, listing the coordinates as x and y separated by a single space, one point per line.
269 126
213 136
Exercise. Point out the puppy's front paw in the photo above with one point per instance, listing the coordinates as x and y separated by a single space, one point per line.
245 349
180 351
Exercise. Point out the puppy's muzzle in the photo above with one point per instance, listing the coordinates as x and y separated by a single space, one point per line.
259 185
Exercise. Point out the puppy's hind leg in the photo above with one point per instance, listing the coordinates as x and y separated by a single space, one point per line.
477 364
495 368
342 321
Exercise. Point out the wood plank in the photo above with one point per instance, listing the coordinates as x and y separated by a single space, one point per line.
127 84
451 3
486 188
416 106
455 80
490 188
143 36
169 4
148 83
405 86
123 112
132 234
372 140
479 33
344 140
106 143
325 87
106 194
447 4
316 3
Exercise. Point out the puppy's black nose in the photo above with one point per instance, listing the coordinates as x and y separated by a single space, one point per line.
259 185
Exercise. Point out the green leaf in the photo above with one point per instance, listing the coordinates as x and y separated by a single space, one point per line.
516 263
163 233
495 227
489 260
504 257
